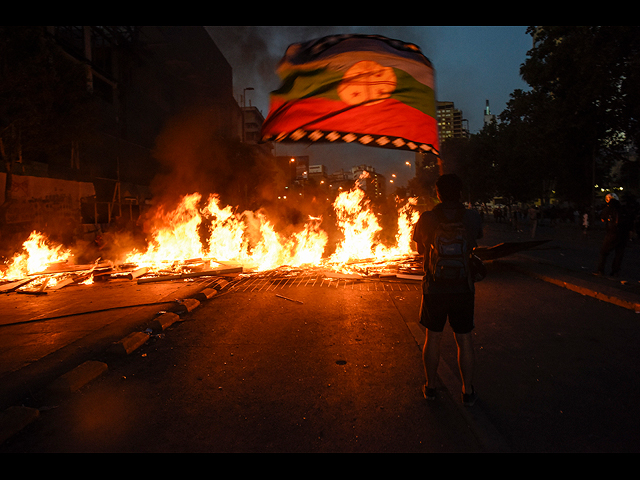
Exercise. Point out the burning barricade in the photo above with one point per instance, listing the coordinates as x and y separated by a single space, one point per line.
195 241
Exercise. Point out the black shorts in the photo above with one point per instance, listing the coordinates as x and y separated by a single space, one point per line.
457 307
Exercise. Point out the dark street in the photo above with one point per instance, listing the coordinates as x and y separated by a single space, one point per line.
310 364
217 239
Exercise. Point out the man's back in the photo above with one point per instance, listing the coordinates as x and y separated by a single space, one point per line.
424 237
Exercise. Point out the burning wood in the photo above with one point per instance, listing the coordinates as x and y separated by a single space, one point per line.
237 243
182 276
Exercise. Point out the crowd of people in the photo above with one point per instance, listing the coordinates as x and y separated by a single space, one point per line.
618 219
522 216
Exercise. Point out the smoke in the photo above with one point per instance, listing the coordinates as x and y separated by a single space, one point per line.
195 157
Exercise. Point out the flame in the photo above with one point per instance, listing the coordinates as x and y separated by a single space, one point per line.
248 239
408 215
37 255
177 240
360 227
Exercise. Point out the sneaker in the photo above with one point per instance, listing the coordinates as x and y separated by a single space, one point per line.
429 393
468 399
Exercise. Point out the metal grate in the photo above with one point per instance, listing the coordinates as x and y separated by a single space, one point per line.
277 280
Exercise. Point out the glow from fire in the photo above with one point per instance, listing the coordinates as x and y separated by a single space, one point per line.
408 215
248 239
218 235
36 256
176 240
360 227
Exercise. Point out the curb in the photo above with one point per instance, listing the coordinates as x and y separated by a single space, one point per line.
582 287
16 418
613 299
78 377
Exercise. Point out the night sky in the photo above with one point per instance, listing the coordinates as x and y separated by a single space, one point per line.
473 64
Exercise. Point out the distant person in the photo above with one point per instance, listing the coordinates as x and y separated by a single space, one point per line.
615 237
533 219
585 223
448 291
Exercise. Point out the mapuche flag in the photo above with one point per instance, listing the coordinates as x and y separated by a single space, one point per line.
355 88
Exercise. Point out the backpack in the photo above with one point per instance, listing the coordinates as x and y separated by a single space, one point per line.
449 259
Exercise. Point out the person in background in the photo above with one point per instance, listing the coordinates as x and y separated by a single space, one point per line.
616 235
533 219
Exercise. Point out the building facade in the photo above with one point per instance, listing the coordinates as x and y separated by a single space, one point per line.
450 121
140 78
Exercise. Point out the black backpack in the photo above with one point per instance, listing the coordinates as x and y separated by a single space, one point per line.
449 258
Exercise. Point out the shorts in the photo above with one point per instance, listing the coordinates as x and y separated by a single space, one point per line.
457 307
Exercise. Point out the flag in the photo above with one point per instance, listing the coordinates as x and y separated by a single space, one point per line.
366 89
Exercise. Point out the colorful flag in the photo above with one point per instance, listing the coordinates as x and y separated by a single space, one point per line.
367 89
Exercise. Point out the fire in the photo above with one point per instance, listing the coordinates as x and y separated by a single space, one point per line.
248 239
251 240
197 231
361 227
37 255
408 215
176 240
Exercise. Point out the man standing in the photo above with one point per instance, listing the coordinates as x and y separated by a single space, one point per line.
616 235
447 288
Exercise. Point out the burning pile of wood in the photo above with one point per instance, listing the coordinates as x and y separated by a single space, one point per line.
62 274
237 243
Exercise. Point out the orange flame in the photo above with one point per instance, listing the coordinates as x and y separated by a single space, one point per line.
37 255
248 239
360 228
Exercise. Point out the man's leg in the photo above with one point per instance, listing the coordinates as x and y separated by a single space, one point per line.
431 356
605 250
618 255
465 360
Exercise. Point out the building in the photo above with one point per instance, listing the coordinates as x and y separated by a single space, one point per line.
340 180
371 182
294 167
488 117
141 78
449 121
252 120
318 173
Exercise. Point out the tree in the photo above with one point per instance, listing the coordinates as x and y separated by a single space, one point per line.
586 80
533 156
473 160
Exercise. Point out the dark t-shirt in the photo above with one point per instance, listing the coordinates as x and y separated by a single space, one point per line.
423 236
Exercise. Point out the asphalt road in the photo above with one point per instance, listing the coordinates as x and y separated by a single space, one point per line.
255 370
310 365
251 371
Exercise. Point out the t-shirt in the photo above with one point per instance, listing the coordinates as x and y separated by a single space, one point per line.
423 236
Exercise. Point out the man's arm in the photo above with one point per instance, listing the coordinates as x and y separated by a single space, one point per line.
417 235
